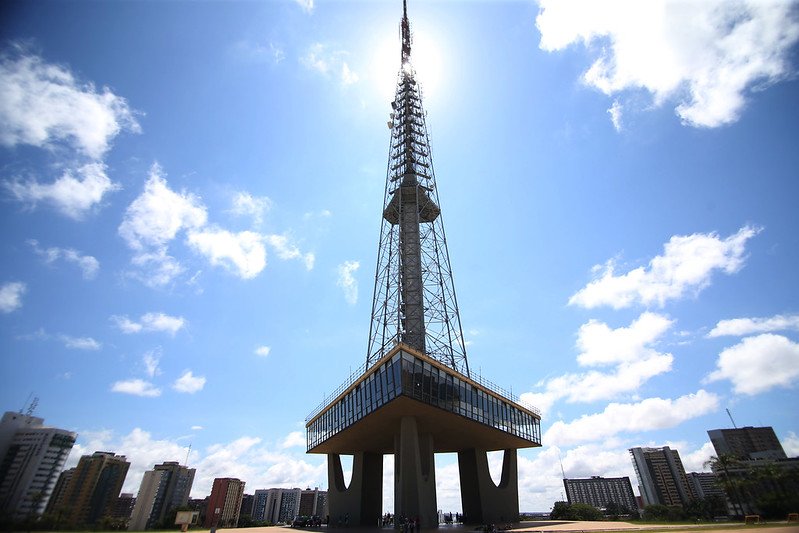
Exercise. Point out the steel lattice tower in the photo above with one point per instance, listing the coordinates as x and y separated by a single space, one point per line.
414 296
415 396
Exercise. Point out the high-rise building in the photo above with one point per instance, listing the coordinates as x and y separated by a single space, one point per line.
124 507
705 484
600 491
56 503
163 490
93 489
313 502
224 504
747 443
31 458
247 502
661 476
282 505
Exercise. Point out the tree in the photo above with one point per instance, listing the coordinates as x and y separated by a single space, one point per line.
560 511
722 465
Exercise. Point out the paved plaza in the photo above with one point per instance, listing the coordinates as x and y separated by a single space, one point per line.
551 525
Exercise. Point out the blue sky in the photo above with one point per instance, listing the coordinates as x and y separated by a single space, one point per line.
191 197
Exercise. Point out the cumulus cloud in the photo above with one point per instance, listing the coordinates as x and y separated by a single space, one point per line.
704 56
346 280
88 264
74 193
329 62
80 343
630 349
42 104
153 219
687 264
746 326
695 461
242 253
646 415
285 250
150 322
294 439
189 383
245 204
159 213
11 296
136 387
758 364
263 351
791 444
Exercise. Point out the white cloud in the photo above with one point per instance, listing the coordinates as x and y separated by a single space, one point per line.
88 264
285 250
80 343
156 216
158 268
294 439
245 204
42 104
153 220
136 387
646 415
258 53
74 193
306 5
151 360
126 325
347 281
615 112
162 322
791 444
687 263
242 253
705 56
630 349
327 62
745 326
695 461
11 296
189 383
150 322
197 428
263 351
758 364
599 344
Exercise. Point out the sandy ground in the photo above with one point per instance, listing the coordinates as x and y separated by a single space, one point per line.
546 526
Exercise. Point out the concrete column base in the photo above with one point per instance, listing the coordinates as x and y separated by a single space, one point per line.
483 501
414 475
360 504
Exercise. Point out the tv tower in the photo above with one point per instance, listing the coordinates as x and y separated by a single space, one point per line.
414 296
415 395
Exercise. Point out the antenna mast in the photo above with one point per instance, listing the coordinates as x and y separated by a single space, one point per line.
405 30
731 420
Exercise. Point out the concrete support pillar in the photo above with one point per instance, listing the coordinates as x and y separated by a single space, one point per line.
483 501
414 475
360 504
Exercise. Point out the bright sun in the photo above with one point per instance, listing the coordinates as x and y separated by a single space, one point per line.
425 59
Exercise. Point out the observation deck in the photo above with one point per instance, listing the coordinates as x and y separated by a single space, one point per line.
459 412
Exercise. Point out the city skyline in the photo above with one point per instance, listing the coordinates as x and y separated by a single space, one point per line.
192 200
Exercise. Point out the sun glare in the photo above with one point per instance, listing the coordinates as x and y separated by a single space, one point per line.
425 59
